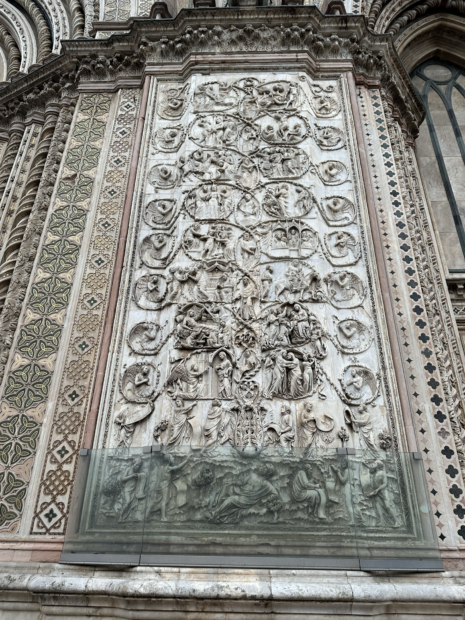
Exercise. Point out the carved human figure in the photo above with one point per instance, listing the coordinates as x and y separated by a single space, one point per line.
379 493
224 373
307 491
181 427
300 330
269 375
124 431
266 279
164 487
361 423
308 372
315 429
343 486
287 434
217 425
254 488
248 250
294 376
246 296
133 492
191 331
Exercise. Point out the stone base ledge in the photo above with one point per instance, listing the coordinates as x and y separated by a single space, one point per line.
40 591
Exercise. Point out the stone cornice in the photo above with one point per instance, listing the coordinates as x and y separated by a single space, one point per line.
330 41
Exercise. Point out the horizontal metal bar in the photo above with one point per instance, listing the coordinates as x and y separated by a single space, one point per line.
401 565
230 561
121 559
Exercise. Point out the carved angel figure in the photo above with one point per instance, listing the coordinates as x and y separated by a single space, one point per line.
341 243
185 382
173 101
329 138
325 101
154 248
169 138
352 335
136 383
159 212
149 290
360 384
164 176
144 338
333 172
338 210
345 289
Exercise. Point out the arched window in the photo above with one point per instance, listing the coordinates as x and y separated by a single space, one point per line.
441 153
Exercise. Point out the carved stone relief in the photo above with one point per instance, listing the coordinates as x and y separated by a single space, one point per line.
252 316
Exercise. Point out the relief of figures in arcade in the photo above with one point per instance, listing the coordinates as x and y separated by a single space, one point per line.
252 318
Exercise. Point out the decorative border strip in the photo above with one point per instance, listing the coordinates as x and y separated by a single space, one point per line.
28 382
395 197
57 476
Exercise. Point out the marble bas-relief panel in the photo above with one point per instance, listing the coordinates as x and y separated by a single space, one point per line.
249 314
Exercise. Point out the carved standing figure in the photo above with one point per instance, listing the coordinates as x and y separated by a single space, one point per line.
224 373
181 427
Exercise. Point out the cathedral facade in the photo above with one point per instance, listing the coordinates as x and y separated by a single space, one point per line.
232 311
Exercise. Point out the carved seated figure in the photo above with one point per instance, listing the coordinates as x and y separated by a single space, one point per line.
308 492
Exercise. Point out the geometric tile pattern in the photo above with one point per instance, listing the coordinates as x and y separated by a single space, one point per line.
28 382
52 502
396 201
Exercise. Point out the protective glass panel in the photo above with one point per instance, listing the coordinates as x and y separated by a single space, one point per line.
394 526
248 506
270 506
107 512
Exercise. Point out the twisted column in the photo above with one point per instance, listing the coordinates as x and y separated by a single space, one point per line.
12 52
21 217
29 222
14 142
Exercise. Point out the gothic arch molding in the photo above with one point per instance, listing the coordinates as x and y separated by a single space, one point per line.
439 35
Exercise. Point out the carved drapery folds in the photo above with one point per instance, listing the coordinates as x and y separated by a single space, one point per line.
253 318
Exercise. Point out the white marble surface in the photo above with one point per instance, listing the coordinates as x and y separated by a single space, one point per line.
38 591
